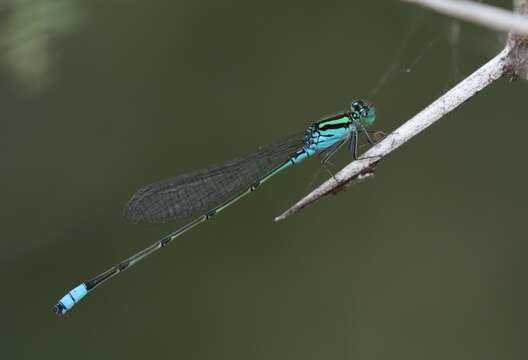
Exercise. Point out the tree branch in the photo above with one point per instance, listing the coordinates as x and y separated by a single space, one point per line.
481 14
477 81
512 59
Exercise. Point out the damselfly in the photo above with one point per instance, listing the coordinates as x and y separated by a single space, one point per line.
213 189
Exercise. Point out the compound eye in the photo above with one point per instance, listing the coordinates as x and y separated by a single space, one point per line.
357 105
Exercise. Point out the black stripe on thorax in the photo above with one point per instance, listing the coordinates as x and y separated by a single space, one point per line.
321 126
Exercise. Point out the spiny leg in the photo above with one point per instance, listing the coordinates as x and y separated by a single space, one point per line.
326 166
330 151
353 145
330 172
364 129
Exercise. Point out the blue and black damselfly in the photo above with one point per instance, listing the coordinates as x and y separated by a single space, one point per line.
213 189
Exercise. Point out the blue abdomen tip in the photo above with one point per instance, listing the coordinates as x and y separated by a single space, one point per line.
70 299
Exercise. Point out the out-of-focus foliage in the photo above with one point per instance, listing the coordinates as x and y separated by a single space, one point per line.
28 33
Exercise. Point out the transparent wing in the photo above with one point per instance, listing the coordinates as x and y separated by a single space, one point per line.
201 190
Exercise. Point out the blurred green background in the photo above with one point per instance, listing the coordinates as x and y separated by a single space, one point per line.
101 97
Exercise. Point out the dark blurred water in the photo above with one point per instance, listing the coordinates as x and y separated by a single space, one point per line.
423 262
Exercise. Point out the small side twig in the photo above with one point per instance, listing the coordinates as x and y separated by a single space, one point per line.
512 59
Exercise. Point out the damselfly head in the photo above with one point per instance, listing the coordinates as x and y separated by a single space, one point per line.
364 112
